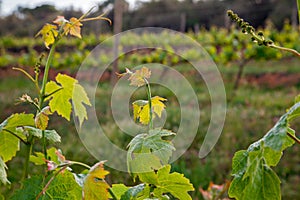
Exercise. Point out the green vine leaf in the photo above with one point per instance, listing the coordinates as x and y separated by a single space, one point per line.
9 143
63 187
151 148
3 175
118 190
95 186
251 168
17 120
50 135
61 92
39 158
133 192
165 182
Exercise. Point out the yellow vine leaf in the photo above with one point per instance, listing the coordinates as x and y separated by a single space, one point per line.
60 93
95 186
42 118
73 27
138 77
49 33
141 109
158 105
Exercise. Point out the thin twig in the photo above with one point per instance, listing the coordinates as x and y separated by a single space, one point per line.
293 51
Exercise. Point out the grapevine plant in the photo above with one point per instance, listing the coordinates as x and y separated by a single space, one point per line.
148 153
253 176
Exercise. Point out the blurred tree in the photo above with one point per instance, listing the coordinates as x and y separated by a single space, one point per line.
157 13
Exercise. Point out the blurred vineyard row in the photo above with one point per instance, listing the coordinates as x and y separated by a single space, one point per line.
223 45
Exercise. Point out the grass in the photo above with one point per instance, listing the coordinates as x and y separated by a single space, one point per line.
252 111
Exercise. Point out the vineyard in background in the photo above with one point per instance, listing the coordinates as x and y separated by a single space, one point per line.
222 44
254 78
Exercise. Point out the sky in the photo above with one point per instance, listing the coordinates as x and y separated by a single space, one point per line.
9 5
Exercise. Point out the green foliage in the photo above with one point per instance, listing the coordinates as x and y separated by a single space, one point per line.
39 158
9 143
253 176
118 190
165 182
63 186
133 192
61 92
156 185
50 135
26 128
151 148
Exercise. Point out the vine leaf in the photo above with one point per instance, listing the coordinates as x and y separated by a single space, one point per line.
42 118
61 92
133 192
118 190
138 77
95 186
50 135
3 175
59 20
73 27
39 157
141 109
251 168
62 187
151 148
9 144
165 182
49 33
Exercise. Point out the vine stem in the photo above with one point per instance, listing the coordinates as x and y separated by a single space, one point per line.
29 146
293 137
43 88
150 104
293 51
79 163
46 72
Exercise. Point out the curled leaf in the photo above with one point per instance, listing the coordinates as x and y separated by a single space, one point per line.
42 118
95 186
59 20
